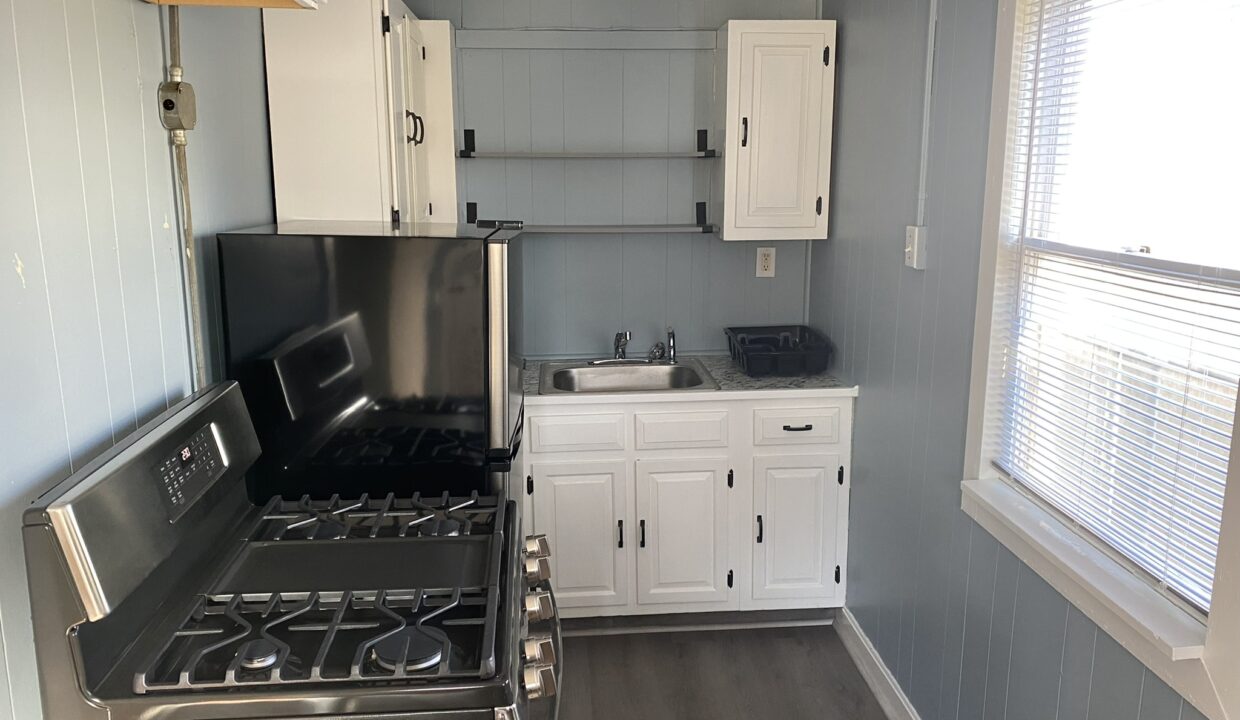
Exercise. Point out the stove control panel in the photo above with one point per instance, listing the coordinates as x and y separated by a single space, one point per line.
186 474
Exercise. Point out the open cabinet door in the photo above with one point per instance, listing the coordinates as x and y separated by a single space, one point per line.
404 54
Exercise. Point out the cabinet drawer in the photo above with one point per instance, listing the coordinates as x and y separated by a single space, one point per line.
796 426
568 433
682 429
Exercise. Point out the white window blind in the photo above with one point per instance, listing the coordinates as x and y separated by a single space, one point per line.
1121 353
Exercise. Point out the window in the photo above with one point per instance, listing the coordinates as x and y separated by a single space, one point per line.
1122 351
1107 353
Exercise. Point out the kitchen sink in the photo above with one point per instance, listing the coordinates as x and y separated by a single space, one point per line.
611 376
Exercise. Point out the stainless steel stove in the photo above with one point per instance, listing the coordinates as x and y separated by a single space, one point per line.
160 592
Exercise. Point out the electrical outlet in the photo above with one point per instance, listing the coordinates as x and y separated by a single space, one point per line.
915 247
766 263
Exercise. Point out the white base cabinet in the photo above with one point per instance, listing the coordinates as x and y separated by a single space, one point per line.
682 521
794 548
691 502
581 509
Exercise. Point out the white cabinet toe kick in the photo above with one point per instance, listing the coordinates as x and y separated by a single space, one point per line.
706 504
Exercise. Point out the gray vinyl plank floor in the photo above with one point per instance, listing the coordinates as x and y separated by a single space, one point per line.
800 672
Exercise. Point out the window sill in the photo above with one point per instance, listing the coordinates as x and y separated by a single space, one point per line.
1144 621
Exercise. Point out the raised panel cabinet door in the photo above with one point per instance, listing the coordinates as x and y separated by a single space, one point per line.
794 543
780 131
580 506
403 71
682 533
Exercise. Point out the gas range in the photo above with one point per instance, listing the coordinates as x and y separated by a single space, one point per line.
417 607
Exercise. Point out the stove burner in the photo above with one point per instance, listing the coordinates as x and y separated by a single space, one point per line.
447 527
259 654
424 651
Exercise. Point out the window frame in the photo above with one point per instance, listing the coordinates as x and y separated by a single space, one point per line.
1198 657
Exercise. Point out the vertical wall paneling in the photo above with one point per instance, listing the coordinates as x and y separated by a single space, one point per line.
967 630
230 150
91 300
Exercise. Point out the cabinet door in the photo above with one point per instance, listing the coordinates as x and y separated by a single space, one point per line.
682 516
579 506
406 77
795 507
780 153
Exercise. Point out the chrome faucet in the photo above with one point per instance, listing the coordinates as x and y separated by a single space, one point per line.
671 346
622 343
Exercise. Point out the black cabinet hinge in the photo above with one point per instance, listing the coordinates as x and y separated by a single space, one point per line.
395 216
826 56
385 22
840 476
837 574
731 475
529 484
729 578
818 205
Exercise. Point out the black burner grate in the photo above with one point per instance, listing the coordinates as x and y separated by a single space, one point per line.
418 636
367 517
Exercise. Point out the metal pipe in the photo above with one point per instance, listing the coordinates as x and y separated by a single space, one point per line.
189 246
923 173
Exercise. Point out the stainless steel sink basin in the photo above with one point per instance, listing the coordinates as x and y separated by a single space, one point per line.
635 376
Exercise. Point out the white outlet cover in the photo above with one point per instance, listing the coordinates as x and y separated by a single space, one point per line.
764 267
915 247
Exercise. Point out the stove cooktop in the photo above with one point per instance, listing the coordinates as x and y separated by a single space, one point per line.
390 588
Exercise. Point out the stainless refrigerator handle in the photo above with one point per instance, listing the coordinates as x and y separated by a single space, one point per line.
497 345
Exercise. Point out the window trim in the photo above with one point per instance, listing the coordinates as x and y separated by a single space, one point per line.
1201 661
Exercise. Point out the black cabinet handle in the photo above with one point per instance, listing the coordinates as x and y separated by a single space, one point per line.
759 528
641 525
801 428
620 528
419 128
744 131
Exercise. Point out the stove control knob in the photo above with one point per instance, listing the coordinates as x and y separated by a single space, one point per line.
539 649
538 606
539 681
537 569
536 546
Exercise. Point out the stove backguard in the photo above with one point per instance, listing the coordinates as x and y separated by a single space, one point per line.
361 347
109 545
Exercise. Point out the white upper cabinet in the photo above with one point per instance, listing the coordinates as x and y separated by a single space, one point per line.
362 113
774 114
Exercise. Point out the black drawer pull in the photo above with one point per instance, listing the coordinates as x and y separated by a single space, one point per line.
620 527
759 528
641 525
800 428
744 131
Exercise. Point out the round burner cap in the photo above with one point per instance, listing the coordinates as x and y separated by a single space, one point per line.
424 651
259 654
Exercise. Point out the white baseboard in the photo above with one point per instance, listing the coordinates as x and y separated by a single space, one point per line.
891 698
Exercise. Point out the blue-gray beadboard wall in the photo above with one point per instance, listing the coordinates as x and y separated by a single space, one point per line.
92 320
582 289
968 630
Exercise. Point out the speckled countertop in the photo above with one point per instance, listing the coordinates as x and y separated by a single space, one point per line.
725 372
